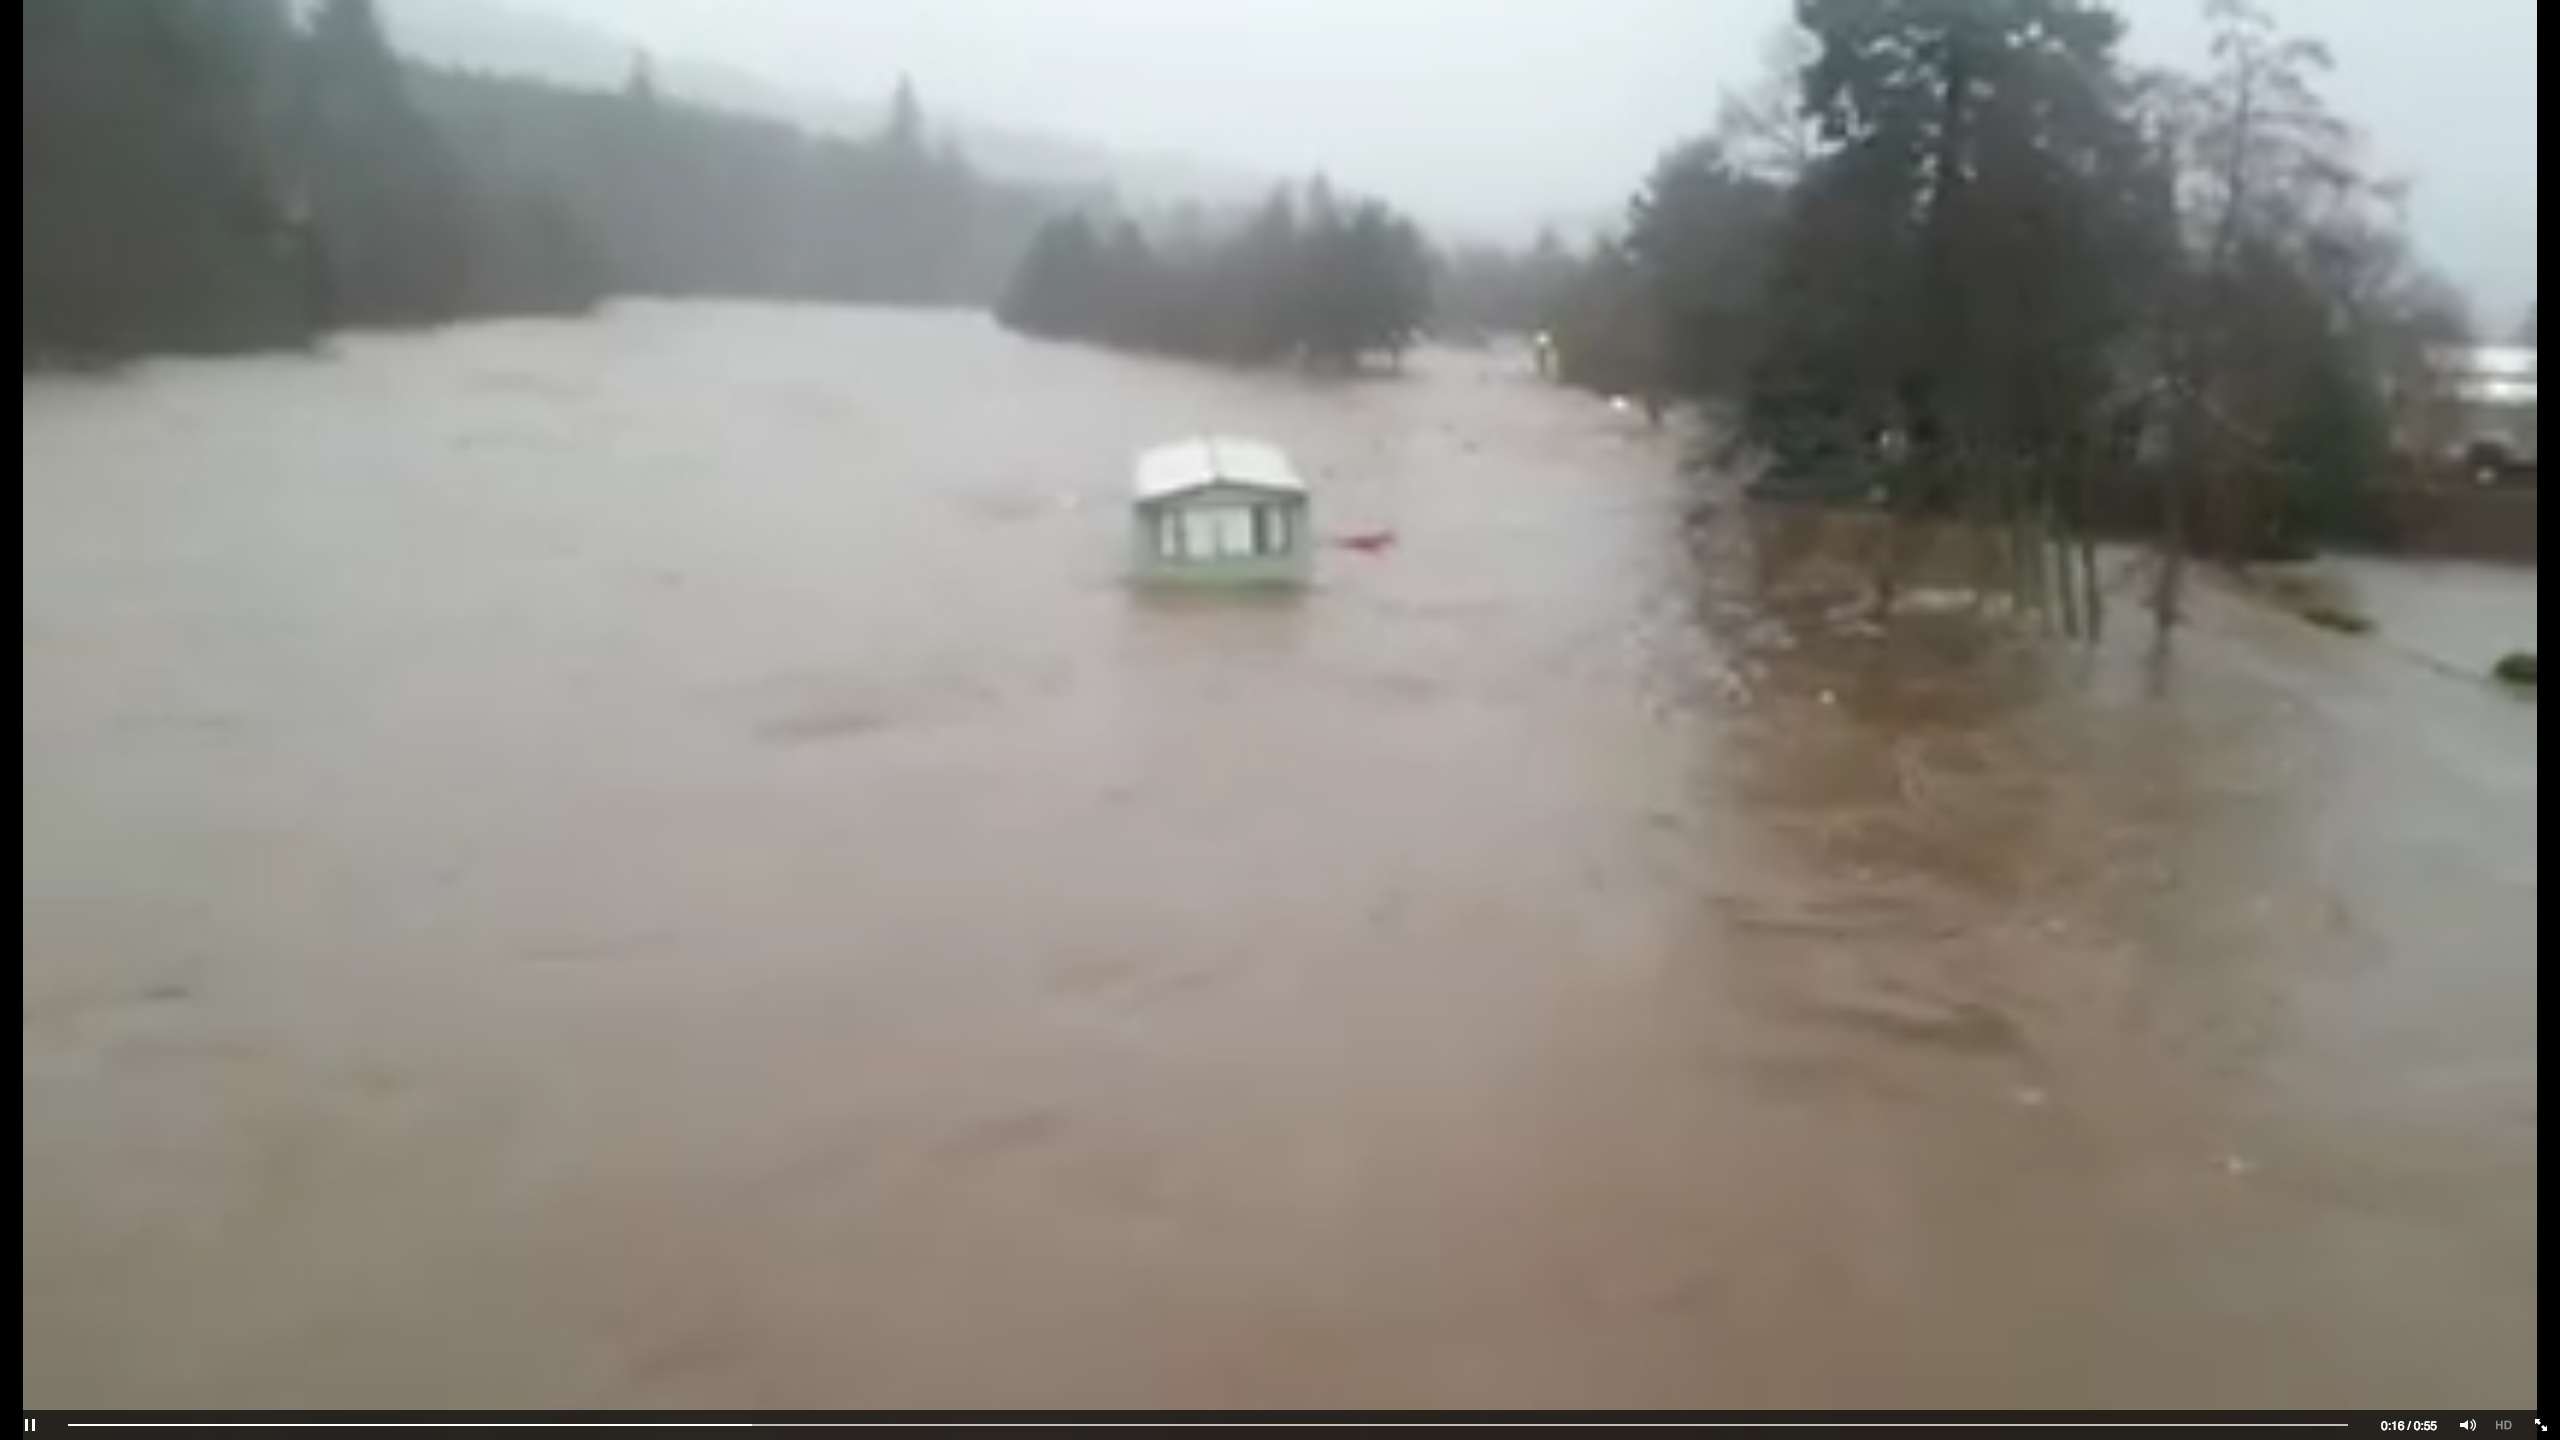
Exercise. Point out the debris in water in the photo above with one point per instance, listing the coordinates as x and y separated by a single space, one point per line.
2236 1167
2344 622
2029 1096
1830 697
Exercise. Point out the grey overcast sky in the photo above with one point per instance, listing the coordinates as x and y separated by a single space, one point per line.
1496 113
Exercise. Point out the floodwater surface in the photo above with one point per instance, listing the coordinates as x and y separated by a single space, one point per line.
654 862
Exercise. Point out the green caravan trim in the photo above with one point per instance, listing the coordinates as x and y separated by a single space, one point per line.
1222 535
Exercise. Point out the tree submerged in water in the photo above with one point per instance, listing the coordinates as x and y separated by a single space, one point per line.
1307 278
1961 260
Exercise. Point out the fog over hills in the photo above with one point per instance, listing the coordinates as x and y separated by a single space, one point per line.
494 36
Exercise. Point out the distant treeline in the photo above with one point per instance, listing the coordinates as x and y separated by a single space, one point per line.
1307 278
1487 290
212 175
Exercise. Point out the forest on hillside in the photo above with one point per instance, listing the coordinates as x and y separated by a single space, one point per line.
215 175
1966 257
1309 278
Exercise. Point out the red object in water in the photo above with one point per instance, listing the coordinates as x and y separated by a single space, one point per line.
1374 542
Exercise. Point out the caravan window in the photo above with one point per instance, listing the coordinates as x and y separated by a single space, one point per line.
1224 532
1235 534
1199 535
1219 533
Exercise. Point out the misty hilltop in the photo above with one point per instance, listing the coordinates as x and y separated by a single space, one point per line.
501 38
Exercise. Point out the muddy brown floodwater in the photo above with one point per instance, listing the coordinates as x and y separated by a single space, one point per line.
653 862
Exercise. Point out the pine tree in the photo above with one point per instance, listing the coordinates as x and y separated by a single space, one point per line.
152 217
386 199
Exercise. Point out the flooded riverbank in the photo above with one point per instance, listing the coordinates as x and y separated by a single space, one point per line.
654 863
